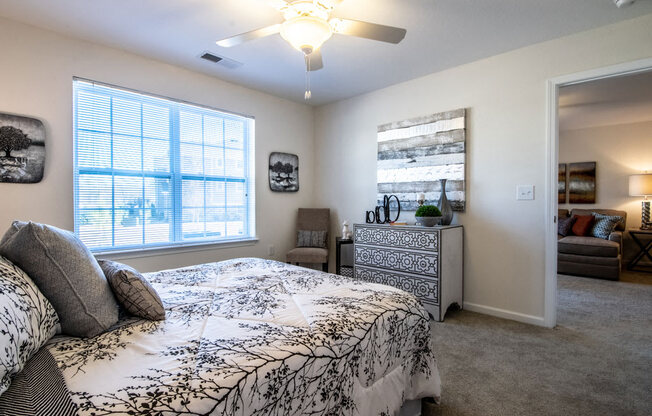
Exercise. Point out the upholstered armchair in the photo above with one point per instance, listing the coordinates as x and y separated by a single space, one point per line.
591 256
311 237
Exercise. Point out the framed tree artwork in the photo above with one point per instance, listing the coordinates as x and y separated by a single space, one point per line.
22 149
283 172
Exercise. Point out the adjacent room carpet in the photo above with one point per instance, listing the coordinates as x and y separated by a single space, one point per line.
597 361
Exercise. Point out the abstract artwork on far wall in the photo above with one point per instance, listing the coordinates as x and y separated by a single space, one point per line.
414 154
561 184
581 183
22 149
283 172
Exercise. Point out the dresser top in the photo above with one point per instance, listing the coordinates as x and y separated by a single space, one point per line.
409 227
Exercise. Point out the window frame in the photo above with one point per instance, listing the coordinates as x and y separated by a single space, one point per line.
175 175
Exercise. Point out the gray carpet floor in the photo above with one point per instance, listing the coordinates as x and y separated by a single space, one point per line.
597 361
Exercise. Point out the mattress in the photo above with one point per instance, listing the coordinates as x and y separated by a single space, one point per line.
256 337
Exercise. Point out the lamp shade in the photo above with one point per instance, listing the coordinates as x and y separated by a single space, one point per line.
306 33
640 185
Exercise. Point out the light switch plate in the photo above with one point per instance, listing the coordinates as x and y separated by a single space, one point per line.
525 192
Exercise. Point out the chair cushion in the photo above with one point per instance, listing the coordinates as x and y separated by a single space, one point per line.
132 291
307 255
588 246
66 273
578 259
604 225
583 224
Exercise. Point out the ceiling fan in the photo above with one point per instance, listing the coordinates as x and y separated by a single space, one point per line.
308 24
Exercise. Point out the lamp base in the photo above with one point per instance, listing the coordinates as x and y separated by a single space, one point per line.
645 216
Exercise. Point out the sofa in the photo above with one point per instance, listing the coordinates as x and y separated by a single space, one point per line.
591 256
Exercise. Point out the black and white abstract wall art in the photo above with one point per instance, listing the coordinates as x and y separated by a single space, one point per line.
414 154
22 149
283 172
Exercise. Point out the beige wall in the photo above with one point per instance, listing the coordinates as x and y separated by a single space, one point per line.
36 70
620 151
505 95
506 135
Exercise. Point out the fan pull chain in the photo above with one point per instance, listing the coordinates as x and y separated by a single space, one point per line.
308 93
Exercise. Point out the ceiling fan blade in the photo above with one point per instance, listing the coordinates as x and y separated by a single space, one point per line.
316 62
368 30
278 4
247 36
330 4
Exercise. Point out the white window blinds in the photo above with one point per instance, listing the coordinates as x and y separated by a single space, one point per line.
151 171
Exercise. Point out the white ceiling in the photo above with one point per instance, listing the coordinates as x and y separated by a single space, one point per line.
605 102
440 34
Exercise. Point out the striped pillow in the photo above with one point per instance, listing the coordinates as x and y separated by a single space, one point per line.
604 225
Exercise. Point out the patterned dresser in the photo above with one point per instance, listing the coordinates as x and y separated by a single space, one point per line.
425 261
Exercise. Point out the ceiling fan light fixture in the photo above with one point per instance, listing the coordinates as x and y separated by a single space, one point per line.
306 33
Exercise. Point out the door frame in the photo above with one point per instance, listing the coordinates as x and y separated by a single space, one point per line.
552 160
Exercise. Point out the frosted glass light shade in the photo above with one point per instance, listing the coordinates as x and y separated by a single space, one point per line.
640 185
306 33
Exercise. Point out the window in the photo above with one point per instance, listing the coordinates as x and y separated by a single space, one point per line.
152 172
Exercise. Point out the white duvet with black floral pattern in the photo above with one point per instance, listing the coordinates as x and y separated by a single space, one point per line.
257 337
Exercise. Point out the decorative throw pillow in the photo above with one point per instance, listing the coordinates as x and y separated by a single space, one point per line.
564 225
66 273
132 291
27 321
583 224
604 225
307 238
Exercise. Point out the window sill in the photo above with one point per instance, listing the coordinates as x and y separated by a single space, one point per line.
174 249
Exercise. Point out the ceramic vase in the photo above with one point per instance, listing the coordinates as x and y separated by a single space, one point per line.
346 233
444 205
428 221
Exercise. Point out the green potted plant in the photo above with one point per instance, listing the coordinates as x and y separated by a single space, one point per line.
428 215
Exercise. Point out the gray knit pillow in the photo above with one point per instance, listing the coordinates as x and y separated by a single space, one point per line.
66 273
604 225
307 238
132 291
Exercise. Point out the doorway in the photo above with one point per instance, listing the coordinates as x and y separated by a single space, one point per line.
553 133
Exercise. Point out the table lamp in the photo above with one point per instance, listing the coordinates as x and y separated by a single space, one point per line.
641 185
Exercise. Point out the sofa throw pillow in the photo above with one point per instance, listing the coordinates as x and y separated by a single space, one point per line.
582 225
27 321
604 225
564 226
307 238
66 273
132 291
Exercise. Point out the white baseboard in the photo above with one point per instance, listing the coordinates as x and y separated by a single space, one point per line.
503 313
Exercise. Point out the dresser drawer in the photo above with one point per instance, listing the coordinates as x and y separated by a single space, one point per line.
424 288
414 239
423 263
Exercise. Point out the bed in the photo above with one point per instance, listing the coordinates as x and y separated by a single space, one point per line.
248 337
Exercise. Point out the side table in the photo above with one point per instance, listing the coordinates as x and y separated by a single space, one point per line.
645 249
343 267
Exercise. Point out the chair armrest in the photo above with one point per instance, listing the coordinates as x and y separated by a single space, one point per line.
616 236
